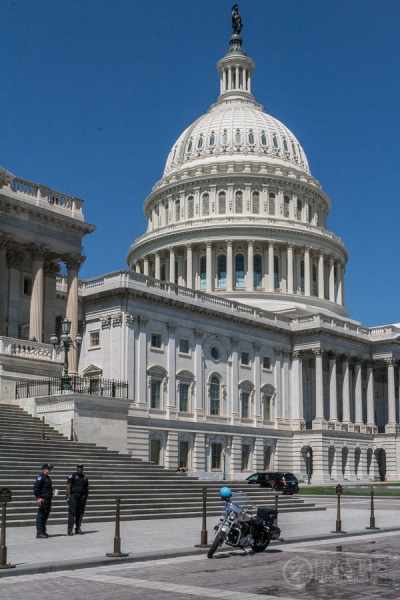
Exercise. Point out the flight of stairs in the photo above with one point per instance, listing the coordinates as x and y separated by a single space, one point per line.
147 491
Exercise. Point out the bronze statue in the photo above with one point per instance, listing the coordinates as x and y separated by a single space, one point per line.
236 19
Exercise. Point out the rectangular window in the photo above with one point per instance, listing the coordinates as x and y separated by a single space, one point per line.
184 397
216 451
156 340
267 408
155 394
245 360
155 451
94 338
245 405
245 457
267 363
184 346
267 458
27 286
183 454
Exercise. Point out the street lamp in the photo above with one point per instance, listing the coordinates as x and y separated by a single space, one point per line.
224 461
65 343
309 466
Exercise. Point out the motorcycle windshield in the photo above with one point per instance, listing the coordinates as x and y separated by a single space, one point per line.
240 499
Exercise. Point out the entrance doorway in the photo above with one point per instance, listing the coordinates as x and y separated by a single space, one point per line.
155 451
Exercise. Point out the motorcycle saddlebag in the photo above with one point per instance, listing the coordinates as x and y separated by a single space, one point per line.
268 514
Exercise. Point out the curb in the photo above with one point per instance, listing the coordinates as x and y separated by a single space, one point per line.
86 563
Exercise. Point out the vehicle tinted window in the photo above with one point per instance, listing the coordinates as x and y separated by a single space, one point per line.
290 477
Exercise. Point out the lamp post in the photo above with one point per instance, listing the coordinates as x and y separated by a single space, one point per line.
309 466
224 462
65 343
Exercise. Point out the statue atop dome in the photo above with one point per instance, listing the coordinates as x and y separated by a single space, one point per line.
236 20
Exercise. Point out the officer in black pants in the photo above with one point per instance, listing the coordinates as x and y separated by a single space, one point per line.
43 490
77 494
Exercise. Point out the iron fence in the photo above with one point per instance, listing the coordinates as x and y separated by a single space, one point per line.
74 384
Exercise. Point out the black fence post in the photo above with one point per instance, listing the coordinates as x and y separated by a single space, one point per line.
117 539
372 517
338 529
5 496
204 534
276 509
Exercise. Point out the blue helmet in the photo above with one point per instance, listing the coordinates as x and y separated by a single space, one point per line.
225 493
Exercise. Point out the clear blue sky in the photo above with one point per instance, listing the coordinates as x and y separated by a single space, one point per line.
95 92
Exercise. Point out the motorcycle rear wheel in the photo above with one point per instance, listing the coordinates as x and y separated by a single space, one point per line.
217 540
259 547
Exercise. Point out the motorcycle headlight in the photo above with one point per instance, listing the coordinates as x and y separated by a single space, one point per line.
232 515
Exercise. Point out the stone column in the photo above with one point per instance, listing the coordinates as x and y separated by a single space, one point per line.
358 393
346 389
141 363
321 283
180 266
257 380
290 269
172 450
278 384
343 290
333 416
38 252
172 265
307 278
391 425
319 420
199 453
370 396
50 290
283 281
297 390
157 265
339 298
145 265
331 278
250 266
15 260
198 373
189 266
265 265
209 267
229 266
73 263
4 241
271 285
298 271
235 378
137 266
172 404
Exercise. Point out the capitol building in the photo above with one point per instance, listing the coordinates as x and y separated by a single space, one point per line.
229 324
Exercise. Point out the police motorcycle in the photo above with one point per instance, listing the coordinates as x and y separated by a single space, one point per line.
238 527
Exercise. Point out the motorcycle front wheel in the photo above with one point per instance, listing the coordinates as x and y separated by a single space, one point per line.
259 546
217 540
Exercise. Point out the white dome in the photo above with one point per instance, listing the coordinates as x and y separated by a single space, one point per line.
236 129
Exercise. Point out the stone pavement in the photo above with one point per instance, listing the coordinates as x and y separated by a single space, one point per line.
175 537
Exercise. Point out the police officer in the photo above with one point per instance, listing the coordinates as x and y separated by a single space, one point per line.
43 490
77 494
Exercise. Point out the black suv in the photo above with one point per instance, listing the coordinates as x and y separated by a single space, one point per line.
287 483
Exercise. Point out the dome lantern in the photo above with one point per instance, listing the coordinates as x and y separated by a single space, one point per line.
235 70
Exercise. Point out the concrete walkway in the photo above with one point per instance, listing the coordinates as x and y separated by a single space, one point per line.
146 540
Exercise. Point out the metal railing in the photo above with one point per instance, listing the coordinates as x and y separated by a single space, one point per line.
76 385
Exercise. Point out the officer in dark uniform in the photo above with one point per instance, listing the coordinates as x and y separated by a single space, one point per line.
43 490
77 494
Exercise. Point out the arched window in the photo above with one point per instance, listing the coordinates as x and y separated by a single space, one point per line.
256 203
239 270
276 272
215 386
263 139
222 270
190 207
221 203
238 202
238 137
257 270
299 209
206 205
275 141
272 204
225 137
294 150
251 137
314 280
177 210
302 276
200 142
285 146
203 273
190 144
286 207
212 139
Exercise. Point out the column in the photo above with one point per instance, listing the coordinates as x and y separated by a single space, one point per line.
195 263
50 282
271 285
290 269
297 389
235 378
180 266
229 266
237 78
137 267
307 278
346 388
229 78
172 265
15 260
171 367
339 298
189 266
198 373
36 309
145 265
257 380
331 278
223 81
283 272
370 395
343 291
141 363
4 240
358 393
298 271
319 388
391 391
73 263
332 388
157 265
209 267
278 384
250 266
321 283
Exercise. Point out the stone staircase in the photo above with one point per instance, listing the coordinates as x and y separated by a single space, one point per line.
147 491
